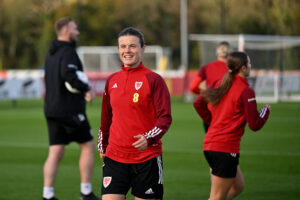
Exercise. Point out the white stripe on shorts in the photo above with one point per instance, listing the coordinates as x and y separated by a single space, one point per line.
160 170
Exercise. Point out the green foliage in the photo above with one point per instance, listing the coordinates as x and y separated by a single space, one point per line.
27 25
269 158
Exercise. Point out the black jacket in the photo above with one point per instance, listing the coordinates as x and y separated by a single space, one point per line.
61 65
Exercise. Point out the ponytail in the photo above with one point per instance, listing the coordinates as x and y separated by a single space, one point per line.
234 63
214 95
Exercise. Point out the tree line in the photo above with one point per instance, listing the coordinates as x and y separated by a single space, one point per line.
27 26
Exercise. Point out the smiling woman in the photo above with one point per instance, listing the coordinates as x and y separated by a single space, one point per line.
136 113
131 49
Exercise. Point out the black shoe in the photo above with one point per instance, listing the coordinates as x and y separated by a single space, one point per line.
90 196
53 198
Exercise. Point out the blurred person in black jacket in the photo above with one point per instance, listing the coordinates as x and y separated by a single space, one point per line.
67 90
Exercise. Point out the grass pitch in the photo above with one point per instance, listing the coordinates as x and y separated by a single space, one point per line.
270 158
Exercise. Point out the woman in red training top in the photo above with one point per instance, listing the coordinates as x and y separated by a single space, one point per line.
136 113
231 104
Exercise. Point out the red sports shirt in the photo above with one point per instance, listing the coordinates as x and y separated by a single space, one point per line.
211 72
229 117
136 101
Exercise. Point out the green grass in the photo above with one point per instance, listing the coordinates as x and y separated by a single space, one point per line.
270 158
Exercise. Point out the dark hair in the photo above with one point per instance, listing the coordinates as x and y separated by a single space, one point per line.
134 32
62 22
235 61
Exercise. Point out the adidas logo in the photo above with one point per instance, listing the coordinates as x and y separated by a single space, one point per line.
149 191
115 85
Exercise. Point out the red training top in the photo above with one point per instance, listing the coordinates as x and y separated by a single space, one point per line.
229 117
211 72
136 101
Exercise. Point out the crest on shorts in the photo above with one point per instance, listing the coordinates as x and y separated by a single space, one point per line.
138 85
106 181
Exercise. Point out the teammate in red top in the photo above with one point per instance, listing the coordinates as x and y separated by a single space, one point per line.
211 72
136 113
231 105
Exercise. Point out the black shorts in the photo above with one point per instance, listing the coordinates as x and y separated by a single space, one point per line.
145 179
63 130
222 164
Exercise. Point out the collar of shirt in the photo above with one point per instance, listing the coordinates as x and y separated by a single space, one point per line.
238 77
132 69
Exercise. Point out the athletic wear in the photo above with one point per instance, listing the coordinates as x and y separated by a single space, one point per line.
85 188
65 111
145 179
213 71
229 117
48 193
136 101
63 130
61 65
210 73
222 164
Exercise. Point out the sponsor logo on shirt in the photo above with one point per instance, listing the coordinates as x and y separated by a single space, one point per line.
138 85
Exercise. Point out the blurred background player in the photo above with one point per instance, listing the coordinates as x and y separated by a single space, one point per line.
65 108
211 72
231 104
136 113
